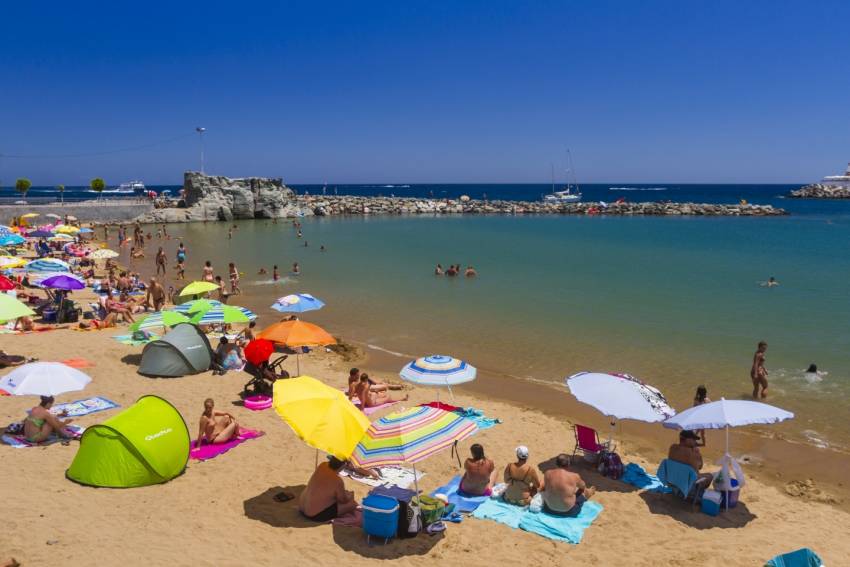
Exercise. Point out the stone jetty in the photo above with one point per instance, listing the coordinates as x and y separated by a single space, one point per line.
221 198
821 191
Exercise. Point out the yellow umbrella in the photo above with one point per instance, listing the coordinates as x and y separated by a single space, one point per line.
66 229
62 236
11 262
11 308
197 288
30 216
323 417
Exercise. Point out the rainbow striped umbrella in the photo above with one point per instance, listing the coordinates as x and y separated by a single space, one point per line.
409 436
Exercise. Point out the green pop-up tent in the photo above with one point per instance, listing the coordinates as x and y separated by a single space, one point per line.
148 443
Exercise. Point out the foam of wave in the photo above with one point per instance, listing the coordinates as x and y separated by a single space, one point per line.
392 352
283 280
815 438
637 188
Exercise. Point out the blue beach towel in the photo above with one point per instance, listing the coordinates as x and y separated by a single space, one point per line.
559 528
462 502
477 415
679 475
804 557
635 475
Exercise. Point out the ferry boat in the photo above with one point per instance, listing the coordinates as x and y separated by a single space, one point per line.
129 187
838 180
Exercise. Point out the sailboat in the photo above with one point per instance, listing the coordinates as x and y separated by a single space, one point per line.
570 193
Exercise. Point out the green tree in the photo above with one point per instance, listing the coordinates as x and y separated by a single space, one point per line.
23 185
98 185
61 189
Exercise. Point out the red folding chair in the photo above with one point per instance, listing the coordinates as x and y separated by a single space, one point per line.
587 441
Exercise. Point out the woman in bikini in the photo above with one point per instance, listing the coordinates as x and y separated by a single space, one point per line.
208 272
372 394
758 373
40 423
478 473
216 426
521 478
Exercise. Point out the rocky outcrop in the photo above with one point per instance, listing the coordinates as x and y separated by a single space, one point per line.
821 191
214 197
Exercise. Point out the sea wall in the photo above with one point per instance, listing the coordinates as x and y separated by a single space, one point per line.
821 191
105 210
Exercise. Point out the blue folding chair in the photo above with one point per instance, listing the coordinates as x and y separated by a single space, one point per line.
683 480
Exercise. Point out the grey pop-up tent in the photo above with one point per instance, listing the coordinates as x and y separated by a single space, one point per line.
183 350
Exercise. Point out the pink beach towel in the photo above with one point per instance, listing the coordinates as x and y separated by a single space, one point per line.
209 451
351 520
373 409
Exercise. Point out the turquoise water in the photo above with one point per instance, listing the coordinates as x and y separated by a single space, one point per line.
674 301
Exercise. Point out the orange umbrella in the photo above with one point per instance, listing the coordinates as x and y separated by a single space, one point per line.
296 334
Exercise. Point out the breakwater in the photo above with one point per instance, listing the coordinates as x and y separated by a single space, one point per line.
821 191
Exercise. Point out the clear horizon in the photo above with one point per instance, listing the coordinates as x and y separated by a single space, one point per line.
475 92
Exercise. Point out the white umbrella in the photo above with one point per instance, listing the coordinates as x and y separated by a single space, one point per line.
620 396
44 379
724 414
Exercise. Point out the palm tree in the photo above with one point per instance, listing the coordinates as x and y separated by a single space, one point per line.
22 185
98 185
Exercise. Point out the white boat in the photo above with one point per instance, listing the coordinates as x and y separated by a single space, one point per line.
570 193
838 180
135 186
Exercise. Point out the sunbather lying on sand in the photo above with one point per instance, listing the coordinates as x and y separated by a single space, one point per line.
40 423
7 360
372 394
216 426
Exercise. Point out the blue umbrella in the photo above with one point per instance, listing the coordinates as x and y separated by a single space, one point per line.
297 303
85 230
46 266
11 239
40 234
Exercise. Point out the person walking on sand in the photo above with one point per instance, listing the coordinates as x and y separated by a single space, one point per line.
758 373
161 260
234 279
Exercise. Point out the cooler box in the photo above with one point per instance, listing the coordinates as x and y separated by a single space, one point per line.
49 315
380 516
711 502
734 489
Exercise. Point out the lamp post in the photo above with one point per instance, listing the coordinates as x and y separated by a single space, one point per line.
200 132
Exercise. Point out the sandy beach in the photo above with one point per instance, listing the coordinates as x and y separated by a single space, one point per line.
222 512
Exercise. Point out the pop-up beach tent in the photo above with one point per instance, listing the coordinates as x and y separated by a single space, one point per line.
183 350
148 443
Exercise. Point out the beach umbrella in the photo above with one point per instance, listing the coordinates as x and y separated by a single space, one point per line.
438 370
322 416
61 237
30 216
296 334
297 303
66 229
62 281
44 379
196 305
258 351
38 279
724 414
159 319
52 216
8 262
12 239
409 436
103 254
222 314
86 230
619 396
197 288
40 234
11 308
46 265
6 284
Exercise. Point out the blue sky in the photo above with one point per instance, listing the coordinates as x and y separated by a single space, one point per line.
350 92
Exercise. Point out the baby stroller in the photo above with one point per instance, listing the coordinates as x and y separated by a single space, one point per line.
263 373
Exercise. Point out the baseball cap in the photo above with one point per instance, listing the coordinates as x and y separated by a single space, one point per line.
522 452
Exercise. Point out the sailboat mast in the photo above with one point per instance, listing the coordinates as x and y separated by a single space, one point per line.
552 165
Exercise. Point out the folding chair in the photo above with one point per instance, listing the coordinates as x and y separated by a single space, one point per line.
683 480
587 441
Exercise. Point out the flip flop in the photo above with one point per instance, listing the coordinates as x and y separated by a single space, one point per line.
283 496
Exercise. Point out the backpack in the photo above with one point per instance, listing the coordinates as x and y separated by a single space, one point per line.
610 465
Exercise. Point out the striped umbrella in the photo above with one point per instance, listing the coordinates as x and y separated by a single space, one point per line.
196 305
410 436
297 303
438 370
158 320
221 314
46 265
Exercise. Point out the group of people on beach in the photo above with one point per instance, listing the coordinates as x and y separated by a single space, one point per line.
368 392
455 270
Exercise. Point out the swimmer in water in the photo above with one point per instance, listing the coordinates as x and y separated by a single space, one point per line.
812 374
771 282
275 273
262 272
758 373
438 271
296 269
470 272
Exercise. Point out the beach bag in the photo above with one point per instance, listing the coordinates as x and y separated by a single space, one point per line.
610 465
414 519
431 509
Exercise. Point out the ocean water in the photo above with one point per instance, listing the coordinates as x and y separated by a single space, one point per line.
675 301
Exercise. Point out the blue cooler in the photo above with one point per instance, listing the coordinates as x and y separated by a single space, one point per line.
711 502
733 491
380 516
49 315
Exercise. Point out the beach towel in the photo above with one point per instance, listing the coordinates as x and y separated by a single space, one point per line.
209 451
442 406
462 502
390 476
803 557
679 475
373 409
351 520
130 341
477 415
18 441
559 528
77 363
635 475
84 407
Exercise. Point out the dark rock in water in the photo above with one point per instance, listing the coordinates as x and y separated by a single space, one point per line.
821 191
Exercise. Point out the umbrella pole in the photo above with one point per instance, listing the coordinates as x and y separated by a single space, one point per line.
298 364
317 459
415 480
727 480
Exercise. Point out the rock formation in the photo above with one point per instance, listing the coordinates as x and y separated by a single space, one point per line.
821 191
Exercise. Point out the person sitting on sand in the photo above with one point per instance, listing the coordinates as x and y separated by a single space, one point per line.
136 252
373 394
7 360
478 477
216 426
40 423
687 452
25 324
521 478
228 356
564 492
353 383
113 306
325 497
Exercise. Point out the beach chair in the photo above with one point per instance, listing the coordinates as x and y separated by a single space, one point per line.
803 557
683 480
587 441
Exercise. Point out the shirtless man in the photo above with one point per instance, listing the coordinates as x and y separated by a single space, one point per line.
325 496
160 261
353 383
563 491
216 426
372 394
758 373
155 297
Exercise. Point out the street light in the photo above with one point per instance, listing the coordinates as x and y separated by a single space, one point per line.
200 132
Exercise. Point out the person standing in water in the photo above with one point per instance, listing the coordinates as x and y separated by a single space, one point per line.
234 279
160 261
758 372
275 273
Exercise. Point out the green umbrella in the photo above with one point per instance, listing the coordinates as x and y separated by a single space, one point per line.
11 308
197 288
159 319
220 314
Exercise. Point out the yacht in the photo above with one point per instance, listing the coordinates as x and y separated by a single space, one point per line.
129 187
570 192
838 180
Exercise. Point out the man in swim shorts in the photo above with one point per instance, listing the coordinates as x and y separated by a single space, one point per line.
325 497
564 491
